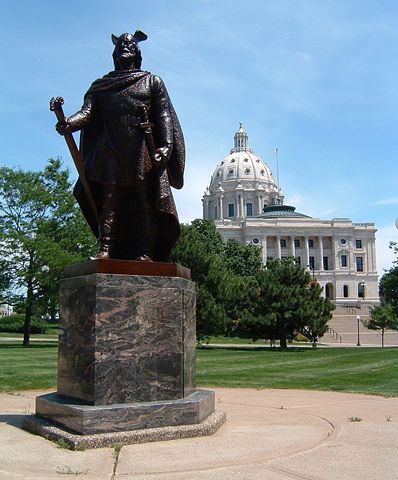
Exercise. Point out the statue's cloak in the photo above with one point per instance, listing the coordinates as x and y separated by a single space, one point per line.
165 219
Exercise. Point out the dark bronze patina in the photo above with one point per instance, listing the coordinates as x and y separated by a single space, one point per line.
132 148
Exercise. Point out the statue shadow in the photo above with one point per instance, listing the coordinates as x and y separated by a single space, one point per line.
14 419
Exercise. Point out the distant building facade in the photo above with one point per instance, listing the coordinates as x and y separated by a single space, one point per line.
246 205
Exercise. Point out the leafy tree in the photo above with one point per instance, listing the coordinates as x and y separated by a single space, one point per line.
382 317
200 249
243 259
41 230
223 274
389 288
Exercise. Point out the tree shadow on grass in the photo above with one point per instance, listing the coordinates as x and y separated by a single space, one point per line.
4 345
256 348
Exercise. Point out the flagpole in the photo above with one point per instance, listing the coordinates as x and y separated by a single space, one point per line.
277 169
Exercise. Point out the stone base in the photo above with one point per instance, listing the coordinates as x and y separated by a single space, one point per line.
93 419
45 429
125 338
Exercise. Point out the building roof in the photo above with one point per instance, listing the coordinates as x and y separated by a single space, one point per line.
278 211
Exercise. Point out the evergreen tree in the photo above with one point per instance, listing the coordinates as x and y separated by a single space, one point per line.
287 302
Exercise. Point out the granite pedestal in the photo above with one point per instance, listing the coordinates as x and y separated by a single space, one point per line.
126 356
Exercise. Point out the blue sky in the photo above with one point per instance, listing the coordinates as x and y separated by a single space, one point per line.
317 79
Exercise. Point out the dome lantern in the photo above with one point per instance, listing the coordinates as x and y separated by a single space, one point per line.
241 140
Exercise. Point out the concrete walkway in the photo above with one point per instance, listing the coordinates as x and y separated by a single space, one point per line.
269 434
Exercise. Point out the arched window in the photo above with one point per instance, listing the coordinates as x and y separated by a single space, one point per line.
345 291
361 290
329 291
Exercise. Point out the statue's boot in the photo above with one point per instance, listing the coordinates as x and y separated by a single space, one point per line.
107 238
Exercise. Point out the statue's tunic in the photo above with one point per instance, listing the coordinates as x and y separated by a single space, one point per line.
114 150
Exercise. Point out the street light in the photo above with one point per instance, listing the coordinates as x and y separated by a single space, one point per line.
358 320
312 268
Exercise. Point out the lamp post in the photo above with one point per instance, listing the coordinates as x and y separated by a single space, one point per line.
358 320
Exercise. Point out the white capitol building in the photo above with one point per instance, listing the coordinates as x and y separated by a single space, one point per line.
246 205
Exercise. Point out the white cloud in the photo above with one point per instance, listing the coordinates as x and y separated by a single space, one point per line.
386 201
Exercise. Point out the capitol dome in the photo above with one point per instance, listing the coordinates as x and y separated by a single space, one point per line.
243 165
242 184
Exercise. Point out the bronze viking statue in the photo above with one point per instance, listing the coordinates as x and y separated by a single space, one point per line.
132 149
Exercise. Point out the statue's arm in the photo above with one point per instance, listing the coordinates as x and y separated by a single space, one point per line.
162 118
78 120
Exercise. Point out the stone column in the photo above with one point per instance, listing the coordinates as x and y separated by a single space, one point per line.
221 214
320 240
307 251
278 247
292 246
264 250
260 206
334 255
374 256
242 209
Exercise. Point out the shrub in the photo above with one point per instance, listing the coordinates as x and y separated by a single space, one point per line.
14 324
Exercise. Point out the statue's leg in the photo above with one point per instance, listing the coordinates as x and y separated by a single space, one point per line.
145 218
108 219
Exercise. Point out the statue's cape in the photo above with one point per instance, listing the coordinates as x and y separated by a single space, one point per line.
171 175
118 80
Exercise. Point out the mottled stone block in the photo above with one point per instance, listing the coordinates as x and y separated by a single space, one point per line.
126 338
89 419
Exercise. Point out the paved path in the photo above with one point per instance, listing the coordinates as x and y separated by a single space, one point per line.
269 435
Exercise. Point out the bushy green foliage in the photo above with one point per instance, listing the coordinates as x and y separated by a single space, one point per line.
222 275
382 317
286 302
236 295
41 230
15 324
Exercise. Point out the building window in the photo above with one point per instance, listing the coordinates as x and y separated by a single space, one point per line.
326 263
247 171
232 160
361 290
312 263
343 241
231 210
310 243
329 290
296 243
230 172
345 291
298 260
344 260
249 209
359 262
255 241
358 243
283 242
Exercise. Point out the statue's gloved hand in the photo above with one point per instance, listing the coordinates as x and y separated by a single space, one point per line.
63 128
162 156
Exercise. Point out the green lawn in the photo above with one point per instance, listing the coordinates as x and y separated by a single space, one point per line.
26 368
366 370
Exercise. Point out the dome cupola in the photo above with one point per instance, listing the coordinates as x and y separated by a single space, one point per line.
241 185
